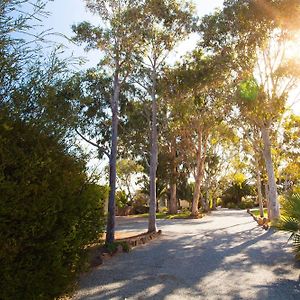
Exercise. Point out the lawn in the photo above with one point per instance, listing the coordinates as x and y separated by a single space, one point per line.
164 215
256 212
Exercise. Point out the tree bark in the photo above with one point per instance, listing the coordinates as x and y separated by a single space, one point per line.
173 199
110 227
201 149
273 196
153 158
173 186
258 186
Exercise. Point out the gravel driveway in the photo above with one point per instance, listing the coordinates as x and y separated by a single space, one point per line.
222 256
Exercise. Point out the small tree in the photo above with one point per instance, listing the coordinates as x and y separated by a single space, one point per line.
117 39
165 23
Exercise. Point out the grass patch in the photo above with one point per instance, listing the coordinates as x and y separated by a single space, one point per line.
166 216
255 212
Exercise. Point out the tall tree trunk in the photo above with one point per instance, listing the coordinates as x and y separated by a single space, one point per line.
204 203
154 158
173 186
173 199
258 186
273 196
110 228
214 203
201 149
267 198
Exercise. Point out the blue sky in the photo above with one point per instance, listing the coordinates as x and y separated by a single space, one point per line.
64 13
67 12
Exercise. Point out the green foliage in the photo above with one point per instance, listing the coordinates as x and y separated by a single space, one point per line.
256 212
237 189
249 89
48 210
290 220
247 202
140 203
121 199
113 247
125 246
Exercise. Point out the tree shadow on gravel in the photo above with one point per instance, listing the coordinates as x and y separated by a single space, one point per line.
199 266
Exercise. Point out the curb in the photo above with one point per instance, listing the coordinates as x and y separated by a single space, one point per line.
263 222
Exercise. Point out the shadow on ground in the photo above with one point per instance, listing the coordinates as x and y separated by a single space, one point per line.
215 264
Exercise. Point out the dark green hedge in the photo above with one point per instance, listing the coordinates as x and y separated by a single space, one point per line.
48 214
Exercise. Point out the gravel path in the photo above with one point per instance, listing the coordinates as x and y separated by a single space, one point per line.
222 256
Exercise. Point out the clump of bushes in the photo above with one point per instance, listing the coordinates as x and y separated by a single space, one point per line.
237 190
48 210
247 202
290 220
113 247
140 203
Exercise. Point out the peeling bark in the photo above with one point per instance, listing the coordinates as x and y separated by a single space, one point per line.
110 228
273 196
258 186
154 158
201 156
173 185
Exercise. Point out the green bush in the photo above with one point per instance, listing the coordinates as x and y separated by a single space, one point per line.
290 220
48 212
236 191
121 199
231 205
113 247
140 203
246 203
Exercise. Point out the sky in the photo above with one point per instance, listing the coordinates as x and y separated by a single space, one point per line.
63 14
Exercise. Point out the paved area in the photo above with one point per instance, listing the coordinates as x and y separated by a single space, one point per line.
222 256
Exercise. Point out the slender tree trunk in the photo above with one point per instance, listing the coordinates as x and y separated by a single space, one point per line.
173 199
214 203
273 196
110 228
173 186
267 198
204 203
258 186
207 194
153 159
201 149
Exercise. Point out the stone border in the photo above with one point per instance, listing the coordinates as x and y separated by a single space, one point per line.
263 222
124 245
140 239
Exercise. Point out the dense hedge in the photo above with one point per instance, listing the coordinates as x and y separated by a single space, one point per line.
48 214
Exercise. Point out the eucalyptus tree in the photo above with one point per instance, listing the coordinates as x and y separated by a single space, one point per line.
252 146
256 35
116 37
165 23
196 95
290 151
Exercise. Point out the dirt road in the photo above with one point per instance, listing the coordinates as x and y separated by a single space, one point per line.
222 256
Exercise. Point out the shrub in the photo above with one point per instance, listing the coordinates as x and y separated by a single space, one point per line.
246 203
140 203
121 199
48 213
231 205
290 220
113 247
236 191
